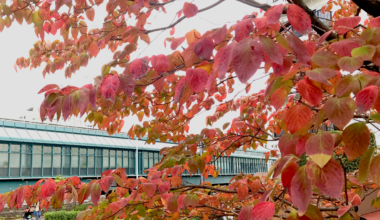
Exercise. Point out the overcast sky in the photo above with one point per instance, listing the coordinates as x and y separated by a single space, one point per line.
19 90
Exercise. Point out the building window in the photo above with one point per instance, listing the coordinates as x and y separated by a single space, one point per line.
26 160
57 161
112 159
66 161
4 154
119 162
15 160
324 18
91 162
74 161
83 162
105 159
98 161
47 161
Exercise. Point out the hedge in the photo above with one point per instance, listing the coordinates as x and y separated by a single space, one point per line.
82 207
349 165
61 215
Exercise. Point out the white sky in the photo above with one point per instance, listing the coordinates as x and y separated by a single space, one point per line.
19 90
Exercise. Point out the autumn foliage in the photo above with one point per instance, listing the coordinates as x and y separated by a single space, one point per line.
334 70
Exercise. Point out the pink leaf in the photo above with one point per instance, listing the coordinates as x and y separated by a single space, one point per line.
342 210
343 25
366 98
94 49
48 87
299 19
274 13
245 213
246 59
344 47
301 190
271 49
109 86
243 29
189 10
127 84
263 211
139 67
299 49
203 49
160 63
220 34
310 92
176 42
223 59
196 79
106 182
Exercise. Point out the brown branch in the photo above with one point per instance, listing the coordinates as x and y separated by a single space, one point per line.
204 187
221 210
345 180
372 7
182 18
255 4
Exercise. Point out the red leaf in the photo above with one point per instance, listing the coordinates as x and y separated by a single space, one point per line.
106 182
127 84
93 97
299 49
191 200
48 87
165 187
288 173
246 59
179 89
284 161
189 10
172 203
343 25
273 14
279 96
310 92
342 210
203 49
321 75
160 63
263 211
375 22
94 49
149 189
90 13
223 59
320 148
344 47
271 49
109 86
139 67
67 106
245 212
176 42
172 31
328 179
356 200
287 144
48 188
323 37
242 192
95 192
243 29
301 190
196 79
220 34
180 200
296 117
366 98
301 144
356 138
299 19
340 111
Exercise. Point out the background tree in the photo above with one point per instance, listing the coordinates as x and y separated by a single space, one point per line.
335 72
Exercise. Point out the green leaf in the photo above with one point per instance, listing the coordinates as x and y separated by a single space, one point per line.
364 164
376 118
365 52
191 200
226 125
141 211
37 20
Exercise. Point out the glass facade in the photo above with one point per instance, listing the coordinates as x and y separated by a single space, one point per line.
237 165
34 160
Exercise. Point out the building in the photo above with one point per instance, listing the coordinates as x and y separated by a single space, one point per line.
30 151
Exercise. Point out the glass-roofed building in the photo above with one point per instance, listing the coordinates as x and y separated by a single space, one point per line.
30 151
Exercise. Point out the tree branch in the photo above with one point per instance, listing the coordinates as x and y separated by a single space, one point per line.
255 4
182 18
372 7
